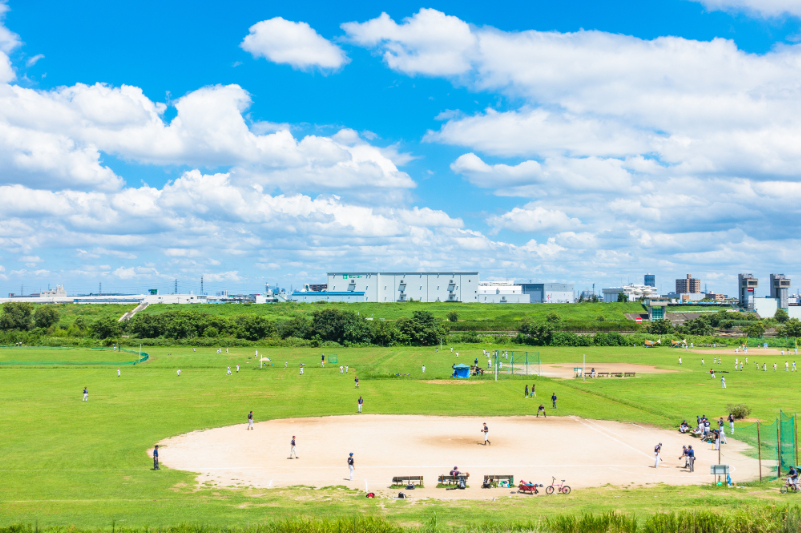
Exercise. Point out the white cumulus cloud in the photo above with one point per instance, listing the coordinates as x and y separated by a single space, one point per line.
762 8
293 43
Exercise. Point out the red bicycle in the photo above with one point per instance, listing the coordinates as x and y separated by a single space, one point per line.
561 488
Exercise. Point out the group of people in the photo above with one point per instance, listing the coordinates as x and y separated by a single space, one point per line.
704 429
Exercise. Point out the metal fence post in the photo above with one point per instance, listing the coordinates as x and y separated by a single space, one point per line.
759 452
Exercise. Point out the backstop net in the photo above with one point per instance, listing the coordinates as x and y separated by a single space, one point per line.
773 444
516 363
331 358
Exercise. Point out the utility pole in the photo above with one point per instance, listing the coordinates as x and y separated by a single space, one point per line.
100 288
201 285
176 287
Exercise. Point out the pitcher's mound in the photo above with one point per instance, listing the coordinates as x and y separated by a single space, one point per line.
583 452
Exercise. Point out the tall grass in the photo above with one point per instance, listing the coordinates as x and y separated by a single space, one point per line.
762 519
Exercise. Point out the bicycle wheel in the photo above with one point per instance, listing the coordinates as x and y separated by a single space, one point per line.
783 490
548 490
566 489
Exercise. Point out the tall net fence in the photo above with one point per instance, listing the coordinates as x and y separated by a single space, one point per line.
773 443
788 343
516 363
141 357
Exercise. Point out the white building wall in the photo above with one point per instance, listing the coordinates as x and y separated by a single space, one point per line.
553 297
766 307
403 286
504 298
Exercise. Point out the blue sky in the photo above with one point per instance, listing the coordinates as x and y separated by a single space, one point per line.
579 142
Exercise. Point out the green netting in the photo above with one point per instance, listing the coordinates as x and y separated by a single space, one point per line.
141 356
788 444
516 363
788 343
332 358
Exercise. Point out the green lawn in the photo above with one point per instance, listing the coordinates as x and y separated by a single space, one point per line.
69 462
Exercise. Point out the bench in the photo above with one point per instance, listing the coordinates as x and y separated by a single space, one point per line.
629 374
451 480
406 480
492 481
602 374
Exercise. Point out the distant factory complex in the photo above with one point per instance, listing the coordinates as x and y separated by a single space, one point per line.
461 287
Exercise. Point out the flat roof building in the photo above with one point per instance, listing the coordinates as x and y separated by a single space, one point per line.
407 286
548 293
688 285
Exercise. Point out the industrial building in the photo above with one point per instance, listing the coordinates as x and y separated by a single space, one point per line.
548 293
633 292
404 286
779 287
688 285
746 284
502 292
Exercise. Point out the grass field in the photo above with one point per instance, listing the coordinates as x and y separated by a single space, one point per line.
69 462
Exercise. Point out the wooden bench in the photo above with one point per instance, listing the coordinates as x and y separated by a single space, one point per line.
492 481
406 480
629 374
451 480
602 374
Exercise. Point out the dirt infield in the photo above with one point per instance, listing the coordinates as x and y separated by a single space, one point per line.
565 370
584 452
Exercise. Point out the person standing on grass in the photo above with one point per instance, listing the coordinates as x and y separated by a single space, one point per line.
179 372
711 373
341 369
553 399
156 458
722 382
346 369
702 361
731 423
657 449
485 430
250 420
774 367
424 369
541 409
301 369
85 394
786 366
741 366
322 362
360 403
351 465
229 370
525 392
237 369
292 449
794 364
679 360
357 382
533 391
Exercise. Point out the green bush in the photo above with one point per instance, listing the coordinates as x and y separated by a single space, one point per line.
739 410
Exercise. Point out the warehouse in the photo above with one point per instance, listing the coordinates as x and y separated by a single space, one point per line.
548 293
407 286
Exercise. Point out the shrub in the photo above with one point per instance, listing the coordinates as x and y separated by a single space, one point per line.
453 316
553 318
600 318
45 316
739 411
781 316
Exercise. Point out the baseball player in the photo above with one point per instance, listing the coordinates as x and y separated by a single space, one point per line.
451 349
794 366
250 420
691 457
229 370
341 369
541 409
731 423
293 450
722 382
786 366
351 465
741 366
357 382
553 399
424 369
679 360
485 430
346 369
657 449
85 394
237 369
179 372
360 403
702 362
301 369
525 391
533 390
118 372
156 458
774 367
322 362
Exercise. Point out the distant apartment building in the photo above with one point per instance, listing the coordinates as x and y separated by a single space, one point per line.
688 285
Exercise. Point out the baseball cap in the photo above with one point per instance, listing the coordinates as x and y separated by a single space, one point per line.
660 444
351 453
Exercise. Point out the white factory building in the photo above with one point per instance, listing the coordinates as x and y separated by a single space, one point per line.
634 292
502 292
397 287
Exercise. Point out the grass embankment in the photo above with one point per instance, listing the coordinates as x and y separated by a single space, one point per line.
69 462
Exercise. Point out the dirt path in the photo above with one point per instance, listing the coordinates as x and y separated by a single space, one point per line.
584 452
566 370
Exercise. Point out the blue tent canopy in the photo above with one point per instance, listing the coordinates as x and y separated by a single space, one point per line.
461 371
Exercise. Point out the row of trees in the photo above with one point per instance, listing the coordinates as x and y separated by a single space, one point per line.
546 334
752 326
327 325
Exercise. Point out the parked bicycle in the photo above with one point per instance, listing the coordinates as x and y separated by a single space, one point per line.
561 488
